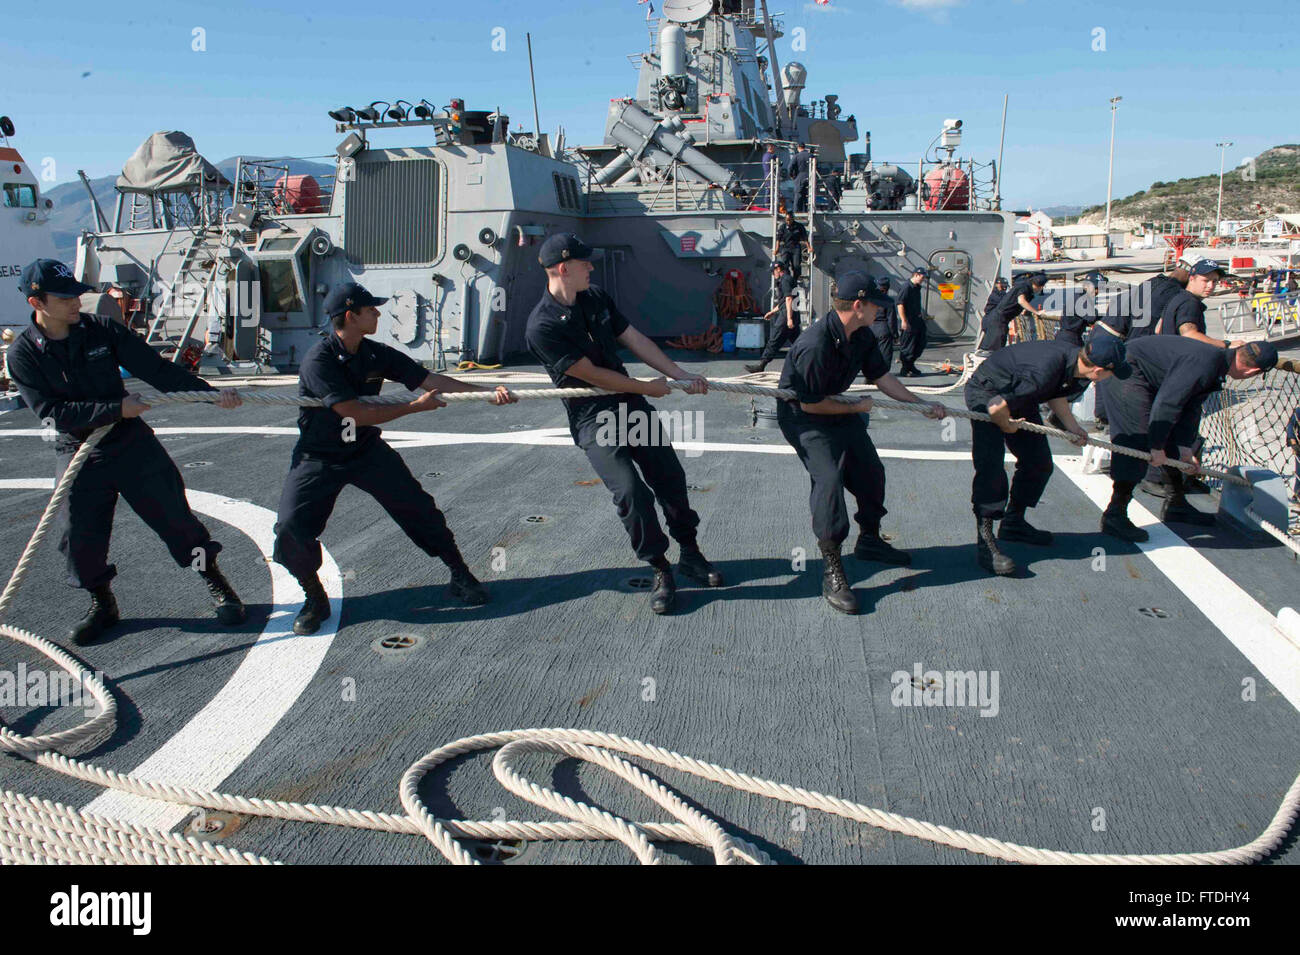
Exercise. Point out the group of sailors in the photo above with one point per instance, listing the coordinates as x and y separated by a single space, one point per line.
1152 377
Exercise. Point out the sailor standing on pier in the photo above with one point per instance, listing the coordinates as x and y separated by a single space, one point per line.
831 438
65 364
575 332
339 444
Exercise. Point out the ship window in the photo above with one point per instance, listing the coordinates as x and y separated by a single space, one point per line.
561 194
279 286
280 245
20 196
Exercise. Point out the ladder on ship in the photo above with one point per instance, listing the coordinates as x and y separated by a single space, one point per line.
189 298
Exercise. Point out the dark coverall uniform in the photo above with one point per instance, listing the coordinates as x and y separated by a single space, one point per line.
836 450
1137 315
885 328
791 242
323 463
1025 375
1183 308
778 333
912 339
799 170
1159 405
1075 320
993 329
995 296
75 384
1140 313
559 336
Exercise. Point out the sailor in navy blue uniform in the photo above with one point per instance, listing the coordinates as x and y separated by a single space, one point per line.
912 330
785 319
791 244
800 172
830 436
339 444
1184 312
885 328
65 364
1136 314
1158 409
1080 310
576 331
999 290
997 323
1009 386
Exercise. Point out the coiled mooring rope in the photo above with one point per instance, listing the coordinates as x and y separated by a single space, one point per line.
34 830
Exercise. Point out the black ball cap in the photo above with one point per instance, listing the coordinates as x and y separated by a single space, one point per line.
853 286
349 297
50 277
562 247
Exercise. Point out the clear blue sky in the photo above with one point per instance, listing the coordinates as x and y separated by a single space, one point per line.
1191 73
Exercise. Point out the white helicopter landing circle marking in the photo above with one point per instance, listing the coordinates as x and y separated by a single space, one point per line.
275 671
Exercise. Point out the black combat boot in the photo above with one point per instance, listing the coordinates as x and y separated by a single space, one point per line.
1114 520
101 615
663 596
315 610
871 546
230 609
986 549
1175 507
1015 528
755 368
835 586
694 565
465 587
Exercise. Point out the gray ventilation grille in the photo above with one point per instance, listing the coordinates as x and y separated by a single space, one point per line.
391 216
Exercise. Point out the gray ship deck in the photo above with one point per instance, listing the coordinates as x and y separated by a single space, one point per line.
1100 706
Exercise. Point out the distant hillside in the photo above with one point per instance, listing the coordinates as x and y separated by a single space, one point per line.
1276 188
72 212
1061 212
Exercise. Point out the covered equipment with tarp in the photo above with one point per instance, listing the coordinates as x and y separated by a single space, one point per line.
168 162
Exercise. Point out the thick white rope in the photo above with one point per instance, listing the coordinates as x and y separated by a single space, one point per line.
36 831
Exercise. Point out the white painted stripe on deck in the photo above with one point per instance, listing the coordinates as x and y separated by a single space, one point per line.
275 671
1237 615
539 437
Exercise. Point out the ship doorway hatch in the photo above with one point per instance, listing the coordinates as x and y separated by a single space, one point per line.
947 293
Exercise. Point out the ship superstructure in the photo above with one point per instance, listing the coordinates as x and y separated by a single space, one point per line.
676 199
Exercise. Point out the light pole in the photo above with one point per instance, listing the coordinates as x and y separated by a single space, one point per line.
1218 211
1110 170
